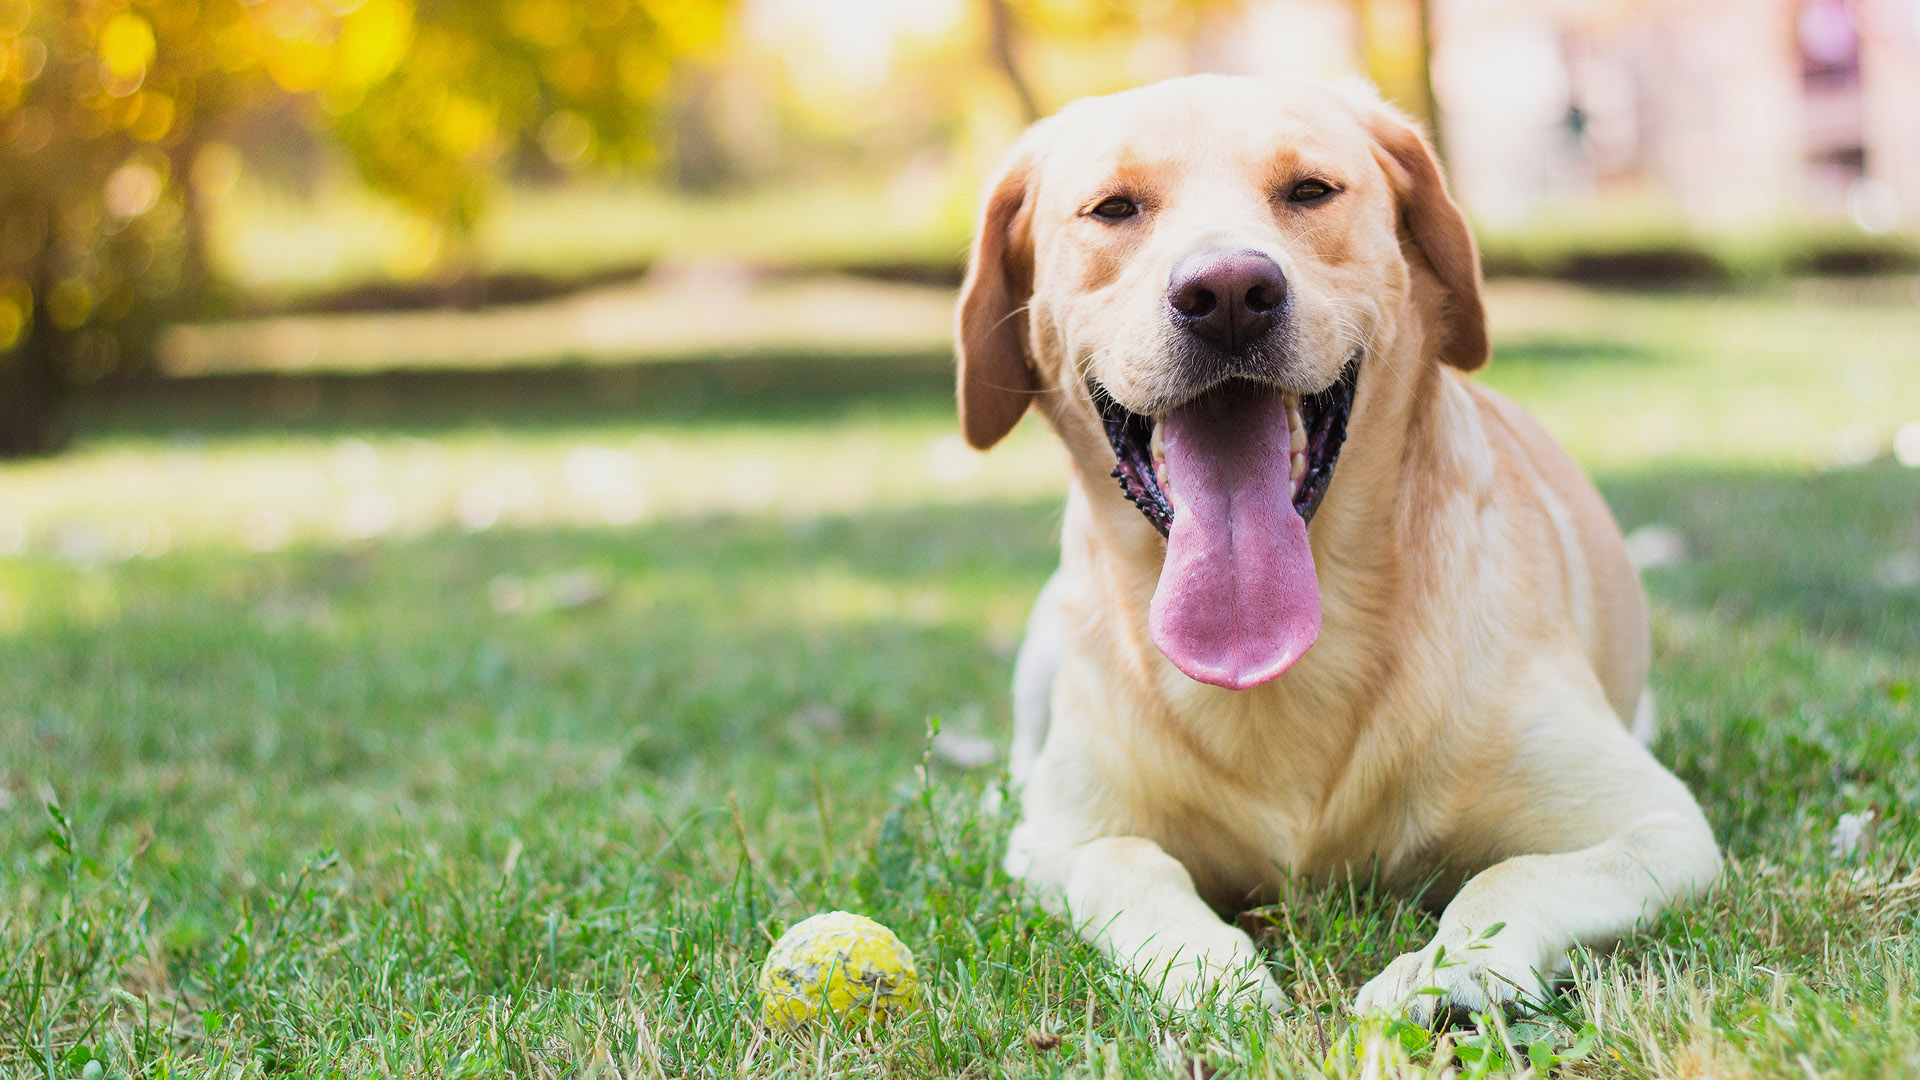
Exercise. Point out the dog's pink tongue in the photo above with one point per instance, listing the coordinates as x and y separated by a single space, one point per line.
1238 602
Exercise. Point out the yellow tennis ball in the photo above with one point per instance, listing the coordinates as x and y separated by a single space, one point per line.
838 963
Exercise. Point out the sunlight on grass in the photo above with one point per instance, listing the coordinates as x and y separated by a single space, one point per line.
1807 379
121 502
1807 376
717 310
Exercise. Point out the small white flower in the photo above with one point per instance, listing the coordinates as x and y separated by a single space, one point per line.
1906 444
1849 831
1656 545
964 751
1899 571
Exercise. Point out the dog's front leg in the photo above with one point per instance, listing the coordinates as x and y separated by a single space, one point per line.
1138 904
1507 933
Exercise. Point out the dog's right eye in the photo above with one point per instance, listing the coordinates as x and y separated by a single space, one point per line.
1114 208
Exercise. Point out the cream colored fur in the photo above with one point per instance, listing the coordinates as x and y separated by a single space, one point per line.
1464 713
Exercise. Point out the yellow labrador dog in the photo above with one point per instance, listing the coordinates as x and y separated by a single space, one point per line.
1325 607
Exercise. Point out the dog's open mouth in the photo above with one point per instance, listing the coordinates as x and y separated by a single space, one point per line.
1231 478
1317 426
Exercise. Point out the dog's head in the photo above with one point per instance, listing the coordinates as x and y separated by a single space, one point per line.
1208 263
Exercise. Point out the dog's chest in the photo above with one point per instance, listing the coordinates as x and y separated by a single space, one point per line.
1242 817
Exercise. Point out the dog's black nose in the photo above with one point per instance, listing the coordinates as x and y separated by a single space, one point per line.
1228 299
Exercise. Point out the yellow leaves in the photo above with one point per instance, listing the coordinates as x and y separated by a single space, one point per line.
689 26
575 72
300 67
355 45
373 39
16 310
69 303
294 20
1055 15
26 57
643 72
152 117
1067 18
425 98
547 23
126 48
297 43
466 127
15 17
236 46
566 137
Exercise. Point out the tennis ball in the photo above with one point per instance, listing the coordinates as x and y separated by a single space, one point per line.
838 963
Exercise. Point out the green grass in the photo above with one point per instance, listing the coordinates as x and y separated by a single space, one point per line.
1639 239
348 785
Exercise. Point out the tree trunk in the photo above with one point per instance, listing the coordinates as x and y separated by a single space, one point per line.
31 393
1001 40
1430 103
1396 43
196 271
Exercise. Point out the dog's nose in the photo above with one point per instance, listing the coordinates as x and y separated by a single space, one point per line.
1228 299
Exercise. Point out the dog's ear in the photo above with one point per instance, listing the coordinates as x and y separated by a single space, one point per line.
996 375
1438 228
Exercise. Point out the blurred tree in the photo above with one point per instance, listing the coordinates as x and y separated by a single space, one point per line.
1395 40
108 108
583 81
1396 46
96 103
1002 41
1077 24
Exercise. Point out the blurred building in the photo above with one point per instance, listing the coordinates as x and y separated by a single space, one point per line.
1733 111
1736 109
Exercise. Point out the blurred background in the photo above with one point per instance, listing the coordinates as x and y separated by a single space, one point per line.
276 272
214 187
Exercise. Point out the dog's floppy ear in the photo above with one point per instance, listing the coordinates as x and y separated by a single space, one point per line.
996 374
1438 228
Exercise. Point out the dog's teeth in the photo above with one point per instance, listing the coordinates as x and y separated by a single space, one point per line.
1296 426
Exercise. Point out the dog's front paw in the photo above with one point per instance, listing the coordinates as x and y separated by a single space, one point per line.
1215 970
1190 986
1456 975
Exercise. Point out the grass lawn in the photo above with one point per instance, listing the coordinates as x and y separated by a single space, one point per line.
439 727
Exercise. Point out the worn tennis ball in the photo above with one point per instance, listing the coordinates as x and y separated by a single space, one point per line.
837 963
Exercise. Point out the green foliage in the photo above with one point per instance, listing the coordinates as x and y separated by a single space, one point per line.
475 82
107 108
1067 19
1487 1044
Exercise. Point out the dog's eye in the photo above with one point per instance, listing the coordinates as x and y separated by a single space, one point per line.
1307 191
1114 208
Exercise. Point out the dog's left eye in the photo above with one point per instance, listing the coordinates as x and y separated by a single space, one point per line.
1114 208
1307 191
